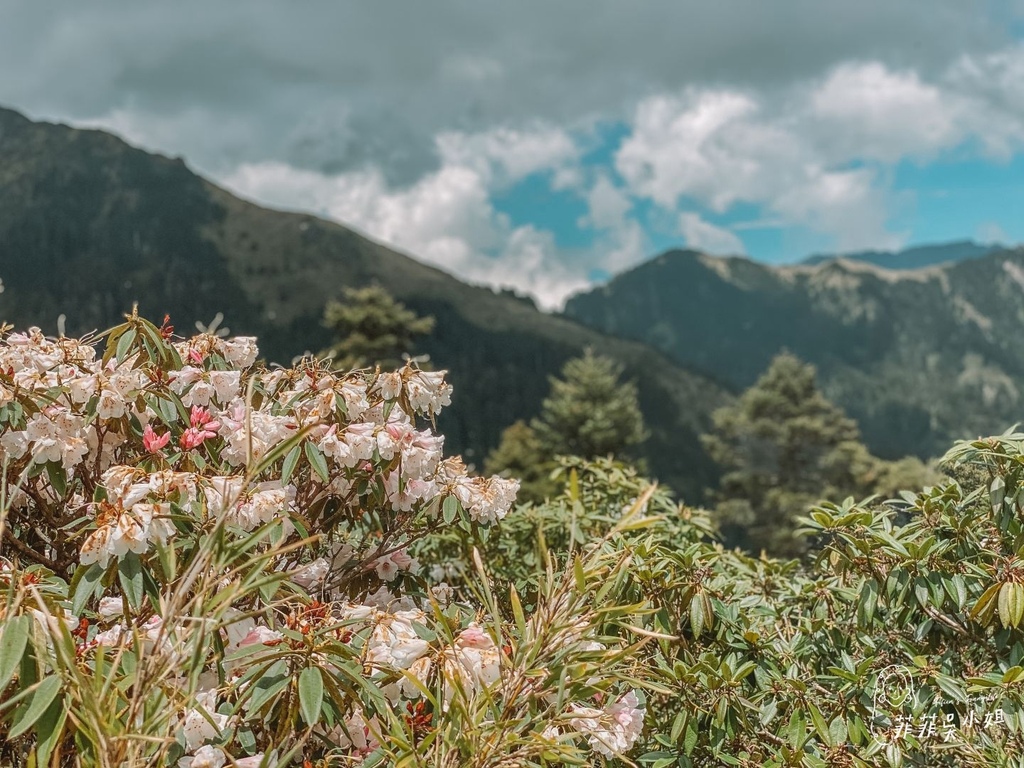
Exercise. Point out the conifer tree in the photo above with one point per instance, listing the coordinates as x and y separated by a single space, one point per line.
370 328
589 411
783 446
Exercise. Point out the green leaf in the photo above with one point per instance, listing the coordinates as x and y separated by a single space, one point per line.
957 589
12 646
517 609
317 462
271 683
867 603
50 729
690 739
677 725
129 572
982 611
289 464
1011 604
83 586
311 694
697 617
837 731
450 509
124 344
996 493
578 575
35 706
820 724
58 477
951 688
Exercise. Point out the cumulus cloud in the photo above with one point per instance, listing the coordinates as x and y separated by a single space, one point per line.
818 153
721 147
869 111
404 120
339 86
704 236
607 205
446 218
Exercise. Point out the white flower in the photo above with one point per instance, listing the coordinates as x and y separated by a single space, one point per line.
486 499
613 730
356 732
225 384
111 404
474 661
192 386
15 444
203 723
111 636
240 351
110 607
205 757
420 671
428 392
394 641
312 575
390 385
394 563
354 395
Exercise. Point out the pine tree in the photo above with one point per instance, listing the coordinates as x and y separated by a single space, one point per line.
783 446
370 327
589 412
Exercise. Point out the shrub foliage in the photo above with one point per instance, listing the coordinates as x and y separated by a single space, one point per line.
209 563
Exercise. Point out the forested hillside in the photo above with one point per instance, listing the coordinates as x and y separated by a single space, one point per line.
89 224
918 357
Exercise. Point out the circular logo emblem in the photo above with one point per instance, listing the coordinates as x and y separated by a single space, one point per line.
893 690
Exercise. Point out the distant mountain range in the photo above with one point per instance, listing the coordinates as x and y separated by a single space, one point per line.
89 224
919 358
914 258
922 352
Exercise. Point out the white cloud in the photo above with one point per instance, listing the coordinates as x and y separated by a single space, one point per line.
704 236
991 233
608 205
684 146
623 247
719 148
818 153
301 110
515 154
868 111
446 218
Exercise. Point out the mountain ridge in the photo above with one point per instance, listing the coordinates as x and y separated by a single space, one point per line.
90 224
918 357
914 257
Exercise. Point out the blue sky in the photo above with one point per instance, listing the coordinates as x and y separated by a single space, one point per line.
548 146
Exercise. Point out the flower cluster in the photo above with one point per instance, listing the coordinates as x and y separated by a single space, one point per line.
124 469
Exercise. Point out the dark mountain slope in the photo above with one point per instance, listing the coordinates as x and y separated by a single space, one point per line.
917 357
89 224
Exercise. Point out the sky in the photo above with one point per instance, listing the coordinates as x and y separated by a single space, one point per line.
546 146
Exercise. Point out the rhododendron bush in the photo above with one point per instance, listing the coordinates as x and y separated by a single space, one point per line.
206 562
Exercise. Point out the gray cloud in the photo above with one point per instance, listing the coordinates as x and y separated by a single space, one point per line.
403 118
331 86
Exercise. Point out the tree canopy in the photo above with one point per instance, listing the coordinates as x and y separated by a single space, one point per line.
783 446
371 327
